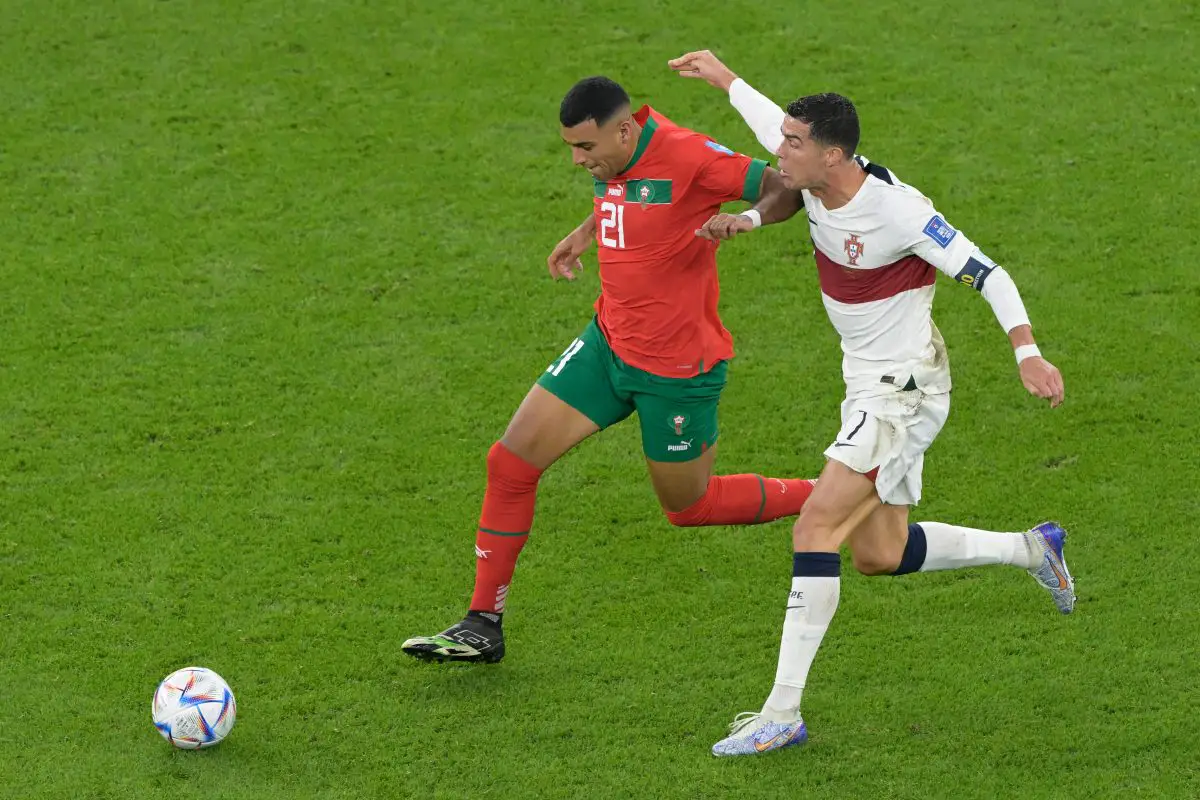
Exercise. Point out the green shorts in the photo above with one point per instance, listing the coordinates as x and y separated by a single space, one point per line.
678 415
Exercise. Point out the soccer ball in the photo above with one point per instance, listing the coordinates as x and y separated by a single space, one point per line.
193 708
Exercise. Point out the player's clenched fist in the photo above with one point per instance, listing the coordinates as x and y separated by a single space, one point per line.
725 226
704 65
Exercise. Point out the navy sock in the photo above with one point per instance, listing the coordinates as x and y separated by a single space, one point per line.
914 551
817 565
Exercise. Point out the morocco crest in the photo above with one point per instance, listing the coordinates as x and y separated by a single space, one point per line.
854 249
645 194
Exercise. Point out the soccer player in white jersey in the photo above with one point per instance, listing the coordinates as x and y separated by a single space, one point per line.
879 245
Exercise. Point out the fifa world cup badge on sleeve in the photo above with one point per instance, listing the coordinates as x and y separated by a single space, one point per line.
940 231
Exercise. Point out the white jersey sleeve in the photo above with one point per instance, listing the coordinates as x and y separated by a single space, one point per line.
933 239
951 252
761 113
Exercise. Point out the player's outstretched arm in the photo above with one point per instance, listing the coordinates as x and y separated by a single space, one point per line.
763 116
777 203
564 259
951 252
725 226
1040 377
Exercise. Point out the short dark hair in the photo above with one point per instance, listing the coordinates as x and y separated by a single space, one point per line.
597 98
831 118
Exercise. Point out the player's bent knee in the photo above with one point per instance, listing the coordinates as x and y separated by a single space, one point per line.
694 516
545 427
819 512
814 537
681 519
872 562
495 456
509 471
816 529
520 442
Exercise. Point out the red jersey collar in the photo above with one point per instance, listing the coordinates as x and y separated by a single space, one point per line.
650 120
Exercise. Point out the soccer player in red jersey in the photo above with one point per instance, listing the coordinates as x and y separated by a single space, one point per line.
656 346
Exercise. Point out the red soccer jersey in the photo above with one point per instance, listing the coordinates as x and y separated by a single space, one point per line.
658 280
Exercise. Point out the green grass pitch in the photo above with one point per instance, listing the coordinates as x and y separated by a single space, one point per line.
273 281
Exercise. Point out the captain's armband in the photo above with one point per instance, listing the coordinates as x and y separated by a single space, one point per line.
976 271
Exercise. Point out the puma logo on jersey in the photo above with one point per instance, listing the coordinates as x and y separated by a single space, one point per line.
682 447
616 191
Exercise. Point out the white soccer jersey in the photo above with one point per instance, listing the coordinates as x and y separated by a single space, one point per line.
876 257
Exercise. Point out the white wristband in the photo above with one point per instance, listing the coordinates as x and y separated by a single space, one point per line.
754 217
1026 351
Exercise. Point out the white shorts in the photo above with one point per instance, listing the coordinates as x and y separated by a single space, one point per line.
892 434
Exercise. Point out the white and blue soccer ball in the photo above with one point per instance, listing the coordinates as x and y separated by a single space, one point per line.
193 708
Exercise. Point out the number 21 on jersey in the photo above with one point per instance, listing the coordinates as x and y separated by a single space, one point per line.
612 222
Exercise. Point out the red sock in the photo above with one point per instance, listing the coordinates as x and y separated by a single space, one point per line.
744 500
503 526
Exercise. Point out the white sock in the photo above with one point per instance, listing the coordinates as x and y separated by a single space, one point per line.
955 547
810 608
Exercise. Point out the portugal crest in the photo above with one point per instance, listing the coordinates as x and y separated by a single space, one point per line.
854 249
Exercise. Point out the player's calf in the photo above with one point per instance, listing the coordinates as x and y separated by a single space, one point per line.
745 500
